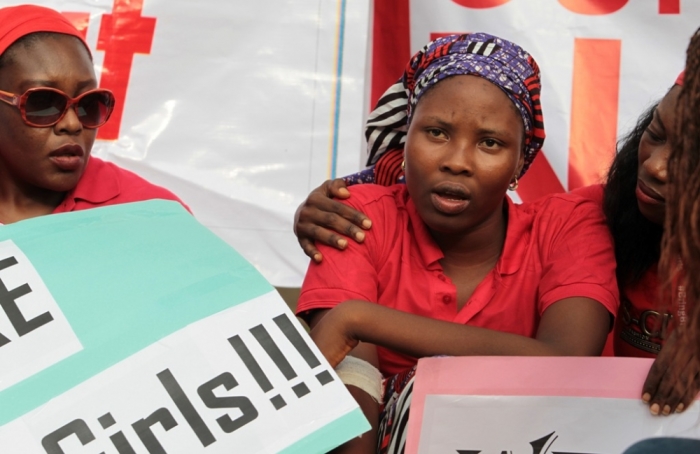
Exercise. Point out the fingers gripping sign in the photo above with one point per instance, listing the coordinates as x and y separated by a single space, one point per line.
673 380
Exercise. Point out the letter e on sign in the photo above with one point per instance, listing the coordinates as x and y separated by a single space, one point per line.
34 333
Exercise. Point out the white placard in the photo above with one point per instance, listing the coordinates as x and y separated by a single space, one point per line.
34 332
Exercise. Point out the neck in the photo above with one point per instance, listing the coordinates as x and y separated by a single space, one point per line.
481 245
23 201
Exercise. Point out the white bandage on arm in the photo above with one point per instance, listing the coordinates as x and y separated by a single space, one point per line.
361 374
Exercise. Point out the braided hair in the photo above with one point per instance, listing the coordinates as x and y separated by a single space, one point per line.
680 254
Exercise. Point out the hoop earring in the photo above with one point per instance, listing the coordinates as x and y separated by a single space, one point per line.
403 165
514 184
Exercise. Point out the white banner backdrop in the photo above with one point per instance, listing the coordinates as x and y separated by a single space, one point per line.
241 108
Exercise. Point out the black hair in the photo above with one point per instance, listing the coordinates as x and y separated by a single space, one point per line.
637 239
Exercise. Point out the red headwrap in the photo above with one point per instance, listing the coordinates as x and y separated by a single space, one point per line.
681 78
19 21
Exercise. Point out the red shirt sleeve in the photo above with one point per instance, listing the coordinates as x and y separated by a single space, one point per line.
351 274
578 258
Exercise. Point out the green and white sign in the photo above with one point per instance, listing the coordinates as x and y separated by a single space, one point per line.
133 329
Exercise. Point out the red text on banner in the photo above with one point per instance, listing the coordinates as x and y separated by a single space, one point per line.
593 7
594 103
587 7
669 6
479 4
122 34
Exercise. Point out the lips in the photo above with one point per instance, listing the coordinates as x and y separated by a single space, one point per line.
68 157
450 198
647 195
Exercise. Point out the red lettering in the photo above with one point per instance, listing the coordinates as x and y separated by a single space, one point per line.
480 4
391 44
593 7
594 103
122 34
79 21
669 6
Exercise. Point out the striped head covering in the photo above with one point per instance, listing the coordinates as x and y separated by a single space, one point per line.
501 62
19 21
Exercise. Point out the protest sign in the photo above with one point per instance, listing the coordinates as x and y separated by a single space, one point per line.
524 405
133 329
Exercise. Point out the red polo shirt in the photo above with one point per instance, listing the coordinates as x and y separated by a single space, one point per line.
555 248
104 183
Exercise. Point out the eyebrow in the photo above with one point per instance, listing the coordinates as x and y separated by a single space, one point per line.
439 121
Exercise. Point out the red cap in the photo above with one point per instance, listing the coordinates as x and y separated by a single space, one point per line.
681 77
19 21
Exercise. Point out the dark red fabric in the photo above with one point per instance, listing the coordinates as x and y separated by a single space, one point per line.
388 168
19 21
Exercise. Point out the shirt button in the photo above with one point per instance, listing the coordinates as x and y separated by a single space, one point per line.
446 299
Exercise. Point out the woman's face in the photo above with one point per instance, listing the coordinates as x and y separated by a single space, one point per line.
654 149
51 158
463 148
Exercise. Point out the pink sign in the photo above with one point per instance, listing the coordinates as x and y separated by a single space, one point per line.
555 398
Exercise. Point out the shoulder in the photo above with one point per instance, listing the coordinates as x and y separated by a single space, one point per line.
566 207
594 193
375 197
561 217
131 187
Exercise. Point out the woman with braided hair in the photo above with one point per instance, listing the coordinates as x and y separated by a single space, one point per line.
452 266
678 368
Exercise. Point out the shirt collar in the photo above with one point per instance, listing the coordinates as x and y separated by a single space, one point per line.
429 251
98 184
515 246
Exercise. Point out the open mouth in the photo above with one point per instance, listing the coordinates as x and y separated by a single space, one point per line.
450 199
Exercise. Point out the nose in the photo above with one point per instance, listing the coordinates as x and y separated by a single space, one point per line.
458 158
70 123
656 166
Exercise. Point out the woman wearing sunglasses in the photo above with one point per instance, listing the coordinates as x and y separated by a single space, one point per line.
50 109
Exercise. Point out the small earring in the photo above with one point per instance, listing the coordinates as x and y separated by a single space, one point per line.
514 184
403 165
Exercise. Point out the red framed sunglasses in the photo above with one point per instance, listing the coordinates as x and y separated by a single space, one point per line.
43 107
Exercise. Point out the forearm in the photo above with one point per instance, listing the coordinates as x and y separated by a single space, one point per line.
420 336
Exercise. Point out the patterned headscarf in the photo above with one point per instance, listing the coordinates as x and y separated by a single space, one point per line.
19 21
501 62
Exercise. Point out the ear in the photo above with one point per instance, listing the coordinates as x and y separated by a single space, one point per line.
521 163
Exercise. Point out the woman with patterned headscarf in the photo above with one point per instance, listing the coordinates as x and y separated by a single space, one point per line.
50 110
452 266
